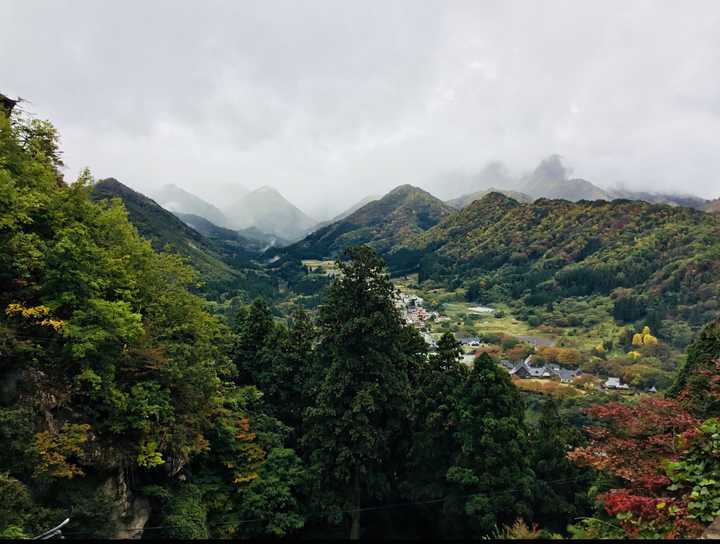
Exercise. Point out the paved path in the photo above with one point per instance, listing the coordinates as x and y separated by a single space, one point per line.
537 341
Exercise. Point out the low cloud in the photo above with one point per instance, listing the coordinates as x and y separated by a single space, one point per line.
331 101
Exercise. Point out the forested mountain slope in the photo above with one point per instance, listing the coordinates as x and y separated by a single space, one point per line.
249 239
662 259
402 213
465 200
224 264
114 379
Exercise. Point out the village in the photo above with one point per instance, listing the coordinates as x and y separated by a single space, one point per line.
412 309
528 370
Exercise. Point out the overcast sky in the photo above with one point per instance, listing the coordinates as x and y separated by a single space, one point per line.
330 101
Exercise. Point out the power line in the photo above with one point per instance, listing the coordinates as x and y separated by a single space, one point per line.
356 510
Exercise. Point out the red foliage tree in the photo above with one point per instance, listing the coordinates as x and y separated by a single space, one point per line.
633 443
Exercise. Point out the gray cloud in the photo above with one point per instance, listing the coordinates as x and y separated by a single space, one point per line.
330 101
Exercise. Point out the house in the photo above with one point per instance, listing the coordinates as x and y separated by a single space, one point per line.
566 375
468 340
615 383
524 370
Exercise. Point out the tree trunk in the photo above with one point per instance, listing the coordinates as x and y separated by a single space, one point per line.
355 527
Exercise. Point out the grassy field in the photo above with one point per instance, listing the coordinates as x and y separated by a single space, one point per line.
463 320
582 326
327 268
595 326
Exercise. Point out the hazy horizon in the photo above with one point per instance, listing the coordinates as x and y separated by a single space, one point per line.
330 102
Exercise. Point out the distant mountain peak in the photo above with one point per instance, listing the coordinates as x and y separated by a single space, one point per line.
550 179
268 210
266 189
467 200
403 212
404 189
177 199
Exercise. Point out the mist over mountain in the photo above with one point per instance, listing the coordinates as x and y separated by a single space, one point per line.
173 198
352 209
219 193
267 210
251 238
551 178
164 230
688 201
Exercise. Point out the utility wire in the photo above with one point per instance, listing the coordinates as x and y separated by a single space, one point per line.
356 510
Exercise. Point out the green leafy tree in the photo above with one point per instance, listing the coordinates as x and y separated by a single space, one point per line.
113 365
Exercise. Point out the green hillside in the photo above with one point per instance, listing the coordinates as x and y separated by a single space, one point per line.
655 261
404 212
250 240
224 265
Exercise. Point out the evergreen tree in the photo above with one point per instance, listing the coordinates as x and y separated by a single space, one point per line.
560 484
442 377
275 358
355 429
491 479
697 386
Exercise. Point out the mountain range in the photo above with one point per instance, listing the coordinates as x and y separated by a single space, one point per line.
263 215
666 257
550 179
541 250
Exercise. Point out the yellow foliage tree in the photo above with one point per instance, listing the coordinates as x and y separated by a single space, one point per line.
56 447
644 338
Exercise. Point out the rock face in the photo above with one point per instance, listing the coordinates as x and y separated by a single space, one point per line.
131 512
713 531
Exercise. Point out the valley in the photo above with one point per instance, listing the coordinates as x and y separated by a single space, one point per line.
515 276
361 270
159 360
